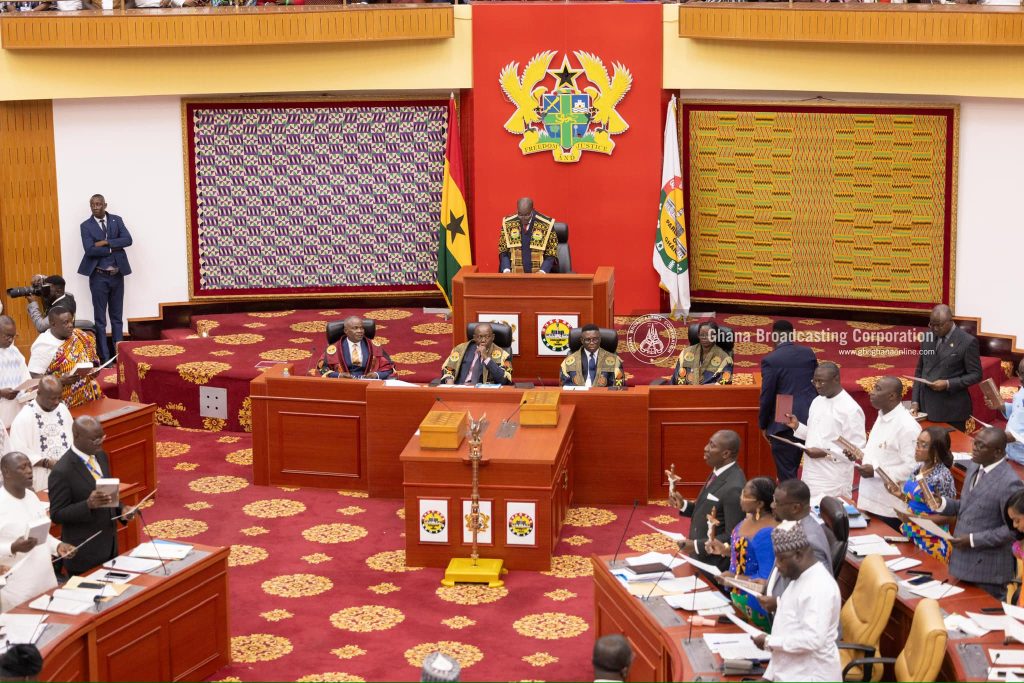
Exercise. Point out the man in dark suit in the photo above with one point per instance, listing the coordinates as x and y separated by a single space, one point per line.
789 370
104 238
75 503
981 547
719 499
951 362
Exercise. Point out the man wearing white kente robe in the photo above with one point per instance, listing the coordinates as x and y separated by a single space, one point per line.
42 431
13 371
803 639
834 413
31 563
891 448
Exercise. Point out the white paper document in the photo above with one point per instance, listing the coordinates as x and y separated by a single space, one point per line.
39 530
901 563
666 559
21 628
883 548
734 646
683 584
1014 611
1005 673
698 601
1014 630
934 589
677 537
991 622
958 622
1007 657
60 605
135 565
749 629
709 568
161 550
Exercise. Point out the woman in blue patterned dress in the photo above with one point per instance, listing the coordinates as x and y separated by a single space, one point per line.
933 452
750 548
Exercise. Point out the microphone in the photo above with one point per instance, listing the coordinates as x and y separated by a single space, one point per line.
540 381
518 408
312 359
636 502
446 406
96 601
152 543
988 672
661 576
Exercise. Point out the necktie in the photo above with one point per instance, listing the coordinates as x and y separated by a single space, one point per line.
94 468
977 479
103 227
357 358
472 368
592 368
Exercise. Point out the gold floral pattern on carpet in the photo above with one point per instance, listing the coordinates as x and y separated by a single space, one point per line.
652 543
221 353
569 567
334 533
471 594
142 369
351 510
745 348
245 414
218 484
432 328
589 516
458 622
158 350
242 339
110 379
550 626
310 326
415 357
229 439
383 588
213 424
466 655
392 561
881 366
577 540
745 363
271 314
868 383
171 449
665 519
201 371
277 615
387 314
186 466
197 506
300 340
285 354
748 320
254 531
868 326
425 342
877 351
242 555
316 558
540 659
367 618
259 647
400 513
348 652
331 677
273 508
354 494
561 595
297 585
243 456
743 379
204 327
176 528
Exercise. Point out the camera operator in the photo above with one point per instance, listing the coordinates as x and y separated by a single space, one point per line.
50 291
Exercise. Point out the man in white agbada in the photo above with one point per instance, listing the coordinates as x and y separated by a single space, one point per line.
42 431
31 563
803 639
13 371
834 413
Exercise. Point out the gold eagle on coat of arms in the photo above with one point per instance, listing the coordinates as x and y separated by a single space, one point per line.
565 119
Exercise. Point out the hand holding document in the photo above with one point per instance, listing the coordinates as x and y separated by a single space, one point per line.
922 380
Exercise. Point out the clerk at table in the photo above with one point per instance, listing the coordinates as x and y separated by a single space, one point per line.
478 361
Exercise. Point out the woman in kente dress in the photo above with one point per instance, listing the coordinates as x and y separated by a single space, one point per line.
1015 520
750 547
930 482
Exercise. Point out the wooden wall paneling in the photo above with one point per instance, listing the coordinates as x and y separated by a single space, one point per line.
29 227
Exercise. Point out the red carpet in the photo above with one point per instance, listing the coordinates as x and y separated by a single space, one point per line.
319 591
170 373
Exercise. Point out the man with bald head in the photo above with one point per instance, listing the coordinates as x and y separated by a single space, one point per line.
527 243
13 370
981 548
355 357
718 503
478 361
612 658
75 503
951 363
891 448
42 430
20 508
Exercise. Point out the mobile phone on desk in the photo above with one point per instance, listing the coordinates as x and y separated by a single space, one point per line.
991 610
919 580
896 539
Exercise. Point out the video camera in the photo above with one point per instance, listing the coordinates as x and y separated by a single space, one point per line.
41 289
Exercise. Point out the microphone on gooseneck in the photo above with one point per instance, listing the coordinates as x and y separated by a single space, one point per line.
514 412
152 542
312 358
636 503
662 575
446 406
540 381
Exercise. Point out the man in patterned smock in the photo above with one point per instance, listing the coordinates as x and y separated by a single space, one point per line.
527 243
478 361
590 365
705 362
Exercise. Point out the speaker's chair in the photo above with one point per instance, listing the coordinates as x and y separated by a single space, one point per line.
336 330
502 334
564 264
609 339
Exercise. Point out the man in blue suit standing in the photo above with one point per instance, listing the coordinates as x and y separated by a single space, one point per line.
104 238
788 369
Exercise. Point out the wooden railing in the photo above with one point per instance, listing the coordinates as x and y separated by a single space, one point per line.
224 26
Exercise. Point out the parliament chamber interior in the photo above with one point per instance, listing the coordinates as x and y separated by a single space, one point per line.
511 341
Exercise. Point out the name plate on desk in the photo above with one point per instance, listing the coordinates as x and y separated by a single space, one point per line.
540 408
444 429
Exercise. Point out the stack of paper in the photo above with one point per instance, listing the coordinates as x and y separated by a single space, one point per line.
1005 673
735 646
135 565
21 628
698 601
1007 657
63 602
871 544
161 550
704 566
666 559
959 622
934 589
901 563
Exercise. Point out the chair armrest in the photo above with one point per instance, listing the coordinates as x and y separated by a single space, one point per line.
867 649
865 663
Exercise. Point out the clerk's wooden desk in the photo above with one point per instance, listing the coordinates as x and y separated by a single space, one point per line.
534 465
174 629
348 434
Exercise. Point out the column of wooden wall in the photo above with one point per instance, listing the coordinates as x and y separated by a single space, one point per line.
29 227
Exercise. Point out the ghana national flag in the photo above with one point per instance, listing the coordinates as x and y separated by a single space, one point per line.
453 250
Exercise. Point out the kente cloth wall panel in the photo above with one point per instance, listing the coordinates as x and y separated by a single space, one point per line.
821 205
299 198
